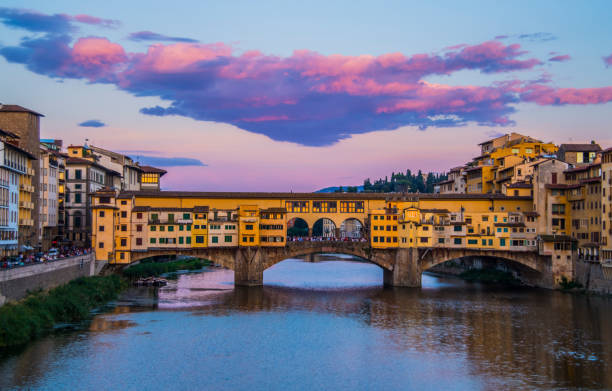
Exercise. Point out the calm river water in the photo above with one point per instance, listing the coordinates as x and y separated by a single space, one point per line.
328 325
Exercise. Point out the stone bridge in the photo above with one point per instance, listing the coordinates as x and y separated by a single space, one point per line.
402 266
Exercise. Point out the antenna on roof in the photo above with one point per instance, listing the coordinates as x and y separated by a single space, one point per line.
85 145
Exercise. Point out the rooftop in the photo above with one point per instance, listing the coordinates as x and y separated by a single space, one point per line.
580 147
17 109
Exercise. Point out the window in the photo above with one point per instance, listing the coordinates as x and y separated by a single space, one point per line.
123 214
78 174
181 227
244 239
502 242
139 228
77 198
123 242
152 240
154 217
472 241
188 239
248 227
441 240
200 239
457 240
228 239
424 240
181 240
124 227
139 215
457 228
139 241
375 239
101 245
214 239
162 228
101 214
170 228
123 202
170 216
101 228
153 228
186 216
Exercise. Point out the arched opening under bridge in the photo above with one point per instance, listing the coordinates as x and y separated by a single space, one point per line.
324 228
297 227
352 228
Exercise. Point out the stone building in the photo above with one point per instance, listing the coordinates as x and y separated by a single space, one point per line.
25 123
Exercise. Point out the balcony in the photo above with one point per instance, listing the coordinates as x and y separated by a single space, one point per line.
26 188
26 205
26 222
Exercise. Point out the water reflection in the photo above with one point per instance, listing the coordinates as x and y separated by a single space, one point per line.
328 325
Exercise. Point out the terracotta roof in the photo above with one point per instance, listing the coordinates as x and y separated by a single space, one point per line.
78 160
446 182
275 210
580 147
557 238
582 168
6 133
435 211
562 186
31 156
200 209
318 196
591 180
153 170
17 109
534 214
519 185
509 224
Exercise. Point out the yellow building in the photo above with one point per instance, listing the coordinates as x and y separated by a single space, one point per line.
133 222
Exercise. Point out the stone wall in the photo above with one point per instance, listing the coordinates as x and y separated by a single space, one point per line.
15 283
591 276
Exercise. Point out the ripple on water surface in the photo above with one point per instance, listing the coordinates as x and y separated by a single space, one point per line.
327 325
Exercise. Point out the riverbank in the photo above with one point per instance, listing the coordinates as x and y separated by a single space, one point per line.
155 269
38 313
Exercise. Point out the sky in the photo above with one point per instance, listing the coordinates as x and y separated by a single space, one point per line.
281 96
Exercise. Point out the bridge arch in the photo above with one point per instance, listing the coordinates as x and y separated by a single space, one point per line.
528 266
352 228
297 227
324 228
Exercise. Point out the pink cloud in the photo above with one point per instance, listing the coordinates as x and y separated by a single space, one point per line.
95 58
545 95
266 118
88 19
560 58
307 97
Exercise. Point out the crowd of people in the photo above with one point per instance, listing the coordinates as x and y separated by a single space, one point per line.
32 258
323 239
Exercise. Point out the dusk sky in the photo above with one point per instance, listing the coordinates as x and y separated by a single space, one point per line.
281 96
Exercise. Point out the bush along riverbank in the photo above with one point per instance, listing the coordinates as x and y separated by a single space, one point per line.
154 269
490 276
36 315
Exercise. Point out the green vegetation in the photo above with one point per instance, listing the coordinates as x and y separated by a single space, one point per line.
489 276
152 268
404 183
569 285
36 315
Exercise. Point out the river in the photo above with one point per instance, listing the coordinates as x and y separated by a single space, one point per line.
327 325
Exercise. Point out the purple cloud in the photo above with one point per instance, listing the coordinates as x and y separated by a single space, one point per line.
92 123
560 58
608 60
53 24
34 21
537 37
151 36
158 161
306 98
